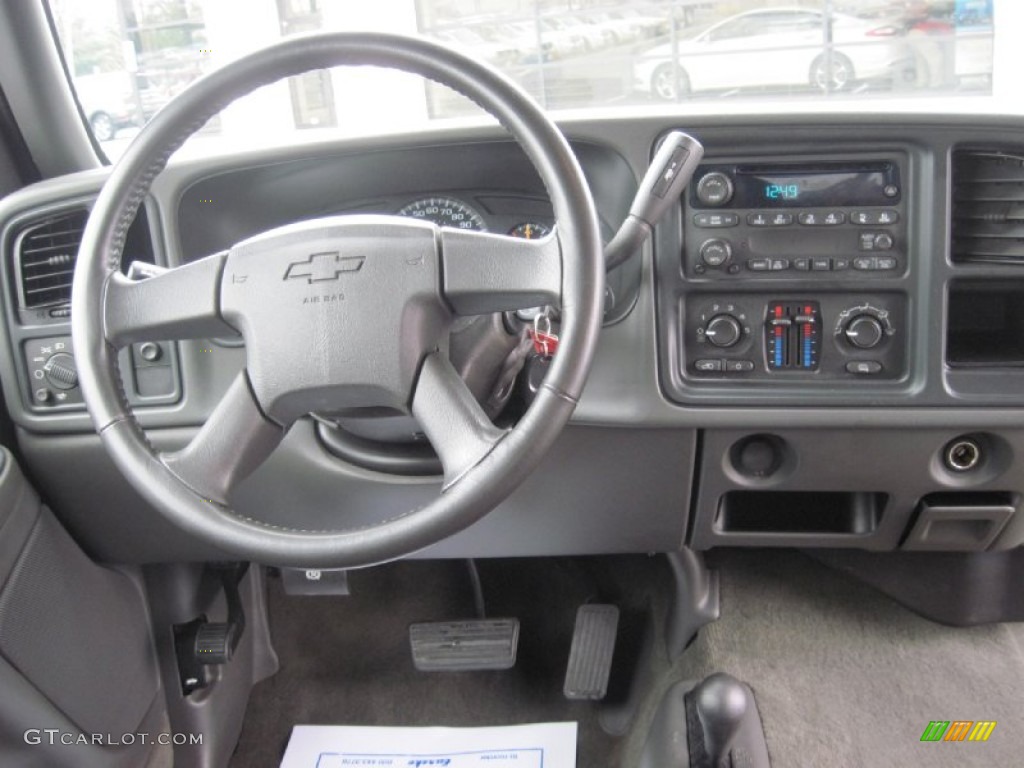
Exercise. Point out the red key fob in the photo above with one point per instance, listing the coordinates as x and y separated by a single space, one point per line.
544 344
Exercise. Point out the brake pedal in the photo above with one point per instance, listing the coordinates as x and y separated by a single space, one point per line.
593 645
463 646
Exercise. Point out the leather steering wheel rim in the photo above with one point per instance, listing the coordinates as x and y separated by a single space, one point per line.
490 475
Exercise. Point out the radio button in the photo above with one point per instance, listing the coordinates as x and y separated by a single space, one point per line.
834 218
758 265
865 263
874 218
821 264
809 219
716 220
840 265
886 262
769 219
777 265
715 252
883 241
708 366
714 189
802 263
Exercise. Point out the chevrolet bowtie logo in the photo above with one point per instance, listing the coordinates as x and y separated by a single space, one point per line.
321 267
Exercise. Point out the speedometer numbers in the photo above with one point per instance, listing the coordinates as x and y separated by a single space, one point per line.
445 212
449 212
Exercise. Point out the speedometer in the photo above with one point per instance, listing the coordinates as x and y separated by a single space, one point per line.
445 212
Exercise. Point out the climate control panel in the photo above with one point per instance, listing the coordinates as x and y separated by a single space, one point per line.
810 338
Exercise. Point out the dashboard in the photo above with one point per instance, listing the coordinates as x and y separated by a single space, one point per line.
821 345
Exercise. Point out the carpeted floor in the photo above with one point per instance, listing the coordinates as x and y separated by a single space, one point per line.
346 660
843 676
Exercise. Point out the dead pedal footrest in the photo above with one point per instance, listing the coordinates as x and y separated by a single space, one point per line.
590 659
458 646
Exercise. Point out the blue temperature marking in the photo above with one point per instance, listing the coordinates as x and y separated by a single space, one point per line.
807 352
778 352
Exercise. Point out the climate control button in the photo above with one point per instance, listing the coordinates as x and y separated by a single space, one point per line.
864 326
723 331
864 332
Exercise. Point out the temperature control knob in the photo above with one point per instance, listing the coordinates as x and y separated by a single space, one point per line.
60 371
864 331
715 252
723 330
714 188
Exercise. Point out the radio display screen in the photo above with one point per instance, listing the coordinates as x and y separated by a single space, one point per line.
796 187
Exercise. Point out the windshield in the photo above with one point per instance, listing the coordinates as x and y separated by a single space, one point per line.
130 57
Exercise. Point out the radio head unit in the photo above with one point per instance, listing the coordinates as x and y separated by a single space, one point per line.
841 218
795 186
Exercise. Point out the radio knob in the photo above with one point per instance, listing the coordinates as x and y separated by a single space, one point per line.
864 332
715 252
723 330
714 189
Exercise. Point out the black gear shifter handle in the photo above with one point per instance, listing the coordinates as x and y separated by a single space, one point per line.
670 171
721 703
713 724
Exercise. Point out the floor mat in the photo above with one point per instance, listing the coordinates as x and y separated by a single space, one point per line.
346 660
844 676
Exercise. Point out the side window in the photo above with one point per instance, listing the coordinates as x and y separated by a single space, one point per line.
745 26
788 22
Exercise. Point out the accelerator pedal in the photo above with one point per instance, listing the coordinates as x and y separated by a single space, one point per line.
462 646
593 645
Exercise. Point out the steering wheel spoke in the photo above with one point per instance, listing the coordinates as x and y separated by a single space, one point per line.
181 303
234 442
485 273
452 419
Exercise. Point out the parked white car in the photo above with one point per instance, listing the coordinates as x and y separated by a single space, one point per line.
776 47
107 101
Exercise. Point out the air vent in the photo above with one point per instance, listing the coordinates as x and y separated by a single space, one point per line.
988 206
46 259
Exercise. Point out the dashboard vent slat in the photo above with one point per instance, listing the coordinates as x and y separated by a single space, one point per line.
46 252
988 206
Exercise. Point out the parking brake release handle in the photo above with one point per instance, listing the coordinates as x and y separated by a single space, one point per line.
670 171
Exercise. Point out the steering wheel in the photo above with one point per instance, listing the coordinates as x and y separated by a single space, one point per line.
337 312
